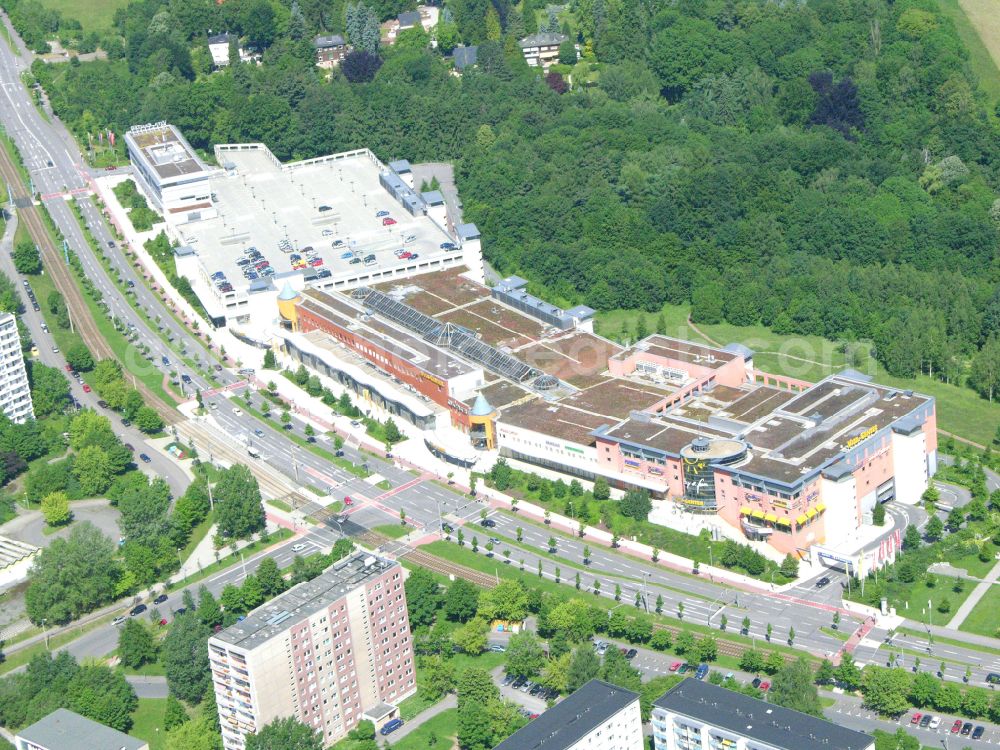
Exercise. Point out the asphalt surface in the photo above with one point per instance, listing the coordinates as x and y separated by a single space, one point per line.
56 165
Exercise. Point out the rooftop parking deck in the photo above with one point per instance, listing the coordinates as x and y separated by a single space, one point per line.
330 217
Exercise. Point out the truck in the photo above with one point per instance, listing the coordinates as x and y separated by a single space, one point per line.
253 452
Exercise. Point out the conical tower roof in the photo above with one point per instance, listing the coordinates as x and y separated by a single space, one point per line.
288 293
481 408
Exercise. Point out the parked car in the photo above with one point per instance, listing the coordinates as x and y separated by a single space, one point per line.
701 672
447 245
498 648
322 210
327 232
631 653
675 666
86 388
935 722
103 404
956 727
120 620
978 732
925 720
144 458
765 686
165 361
966 728
395 724
138 609
915 719
388 221
380 214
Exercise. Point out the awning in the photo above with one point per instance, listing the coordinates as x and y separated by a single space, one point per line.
745 511
811 513
758 513
801 519
771 518
784 522
820 507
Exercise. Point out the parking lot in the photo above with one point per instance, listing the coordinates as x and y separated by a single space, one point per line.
318 218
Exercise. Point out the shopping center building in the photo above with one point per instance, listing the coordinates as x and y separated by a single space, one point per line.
698 427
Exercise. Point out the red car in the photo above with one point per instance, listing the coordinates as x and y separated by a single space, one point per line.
68 368
315 262
86 388
675 666
765 686
956 727
348 501
406 256
112 168
916 717
388 221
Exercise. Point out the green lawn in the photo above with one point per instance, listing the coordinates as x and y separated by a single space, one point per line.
959 409
148 722
436 733
971 564
949 641
983 617
93 15
393 530
910 600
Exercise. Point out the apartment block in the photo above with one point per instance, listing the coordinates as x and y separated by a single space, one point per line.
64 730
598 716
330 652
696 715
15 393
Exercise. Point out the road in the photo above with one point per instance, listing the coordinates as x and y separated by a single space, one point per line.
56 165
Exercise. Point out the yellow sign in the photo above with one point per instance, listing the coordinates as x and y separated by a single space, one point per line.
436 381
863 436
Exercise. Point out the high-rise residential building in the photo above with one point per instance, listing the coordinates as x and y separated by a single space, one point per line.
598 716
329 652
15 393
696 715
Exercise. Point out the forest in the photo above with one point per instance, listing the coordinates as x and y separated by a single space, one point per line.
826 167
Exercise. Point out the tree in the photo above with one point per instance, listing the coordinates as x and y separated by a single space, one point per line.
269 577
26 258
636 504
924 689
239 511
78 357
360 66
789 567
525 657
583 667
461 600
616 670
185 658
55 509
148 420
197 734
476 694
886 690
471 637
752 660
934 528
209 613
174 714
72 576
285 734
793 687
848 674
392 433
774 662
911 539
439 676
707 648
135 644
508 601
270 361
423 597
567 53
601 489
878 514
92 468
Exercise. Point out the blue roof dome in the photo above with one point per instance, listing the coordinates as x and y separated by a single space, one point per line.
481 408
288 293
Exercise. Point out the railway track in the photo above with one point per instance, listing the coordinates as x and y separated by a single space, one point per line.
67 285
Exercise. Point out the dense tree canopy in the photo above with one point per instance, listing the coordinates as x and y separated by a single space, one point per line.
833 161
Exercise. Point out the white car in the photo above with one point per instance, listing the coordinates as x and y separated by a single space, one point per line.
119 620
298 547
238 412
935 723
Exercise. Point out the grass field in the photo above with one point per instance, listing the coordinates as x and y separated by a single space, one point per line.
983 617
148 722
393 530
436 733
93 15
959 410
978 24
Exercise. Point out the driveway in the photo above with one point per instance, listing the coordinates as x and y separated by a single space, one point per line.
449 701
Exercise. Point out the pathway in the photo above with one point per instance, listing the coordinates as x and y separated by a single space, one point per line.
151 686
977 593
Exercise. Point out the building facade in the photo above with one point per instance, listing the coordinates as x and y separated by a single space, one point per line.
696 715
330 50
329 652
598 716
169 172
542 50
65 730
15 392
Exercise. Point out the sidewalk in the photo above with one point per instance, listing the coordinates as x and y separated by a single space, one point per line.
977 593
